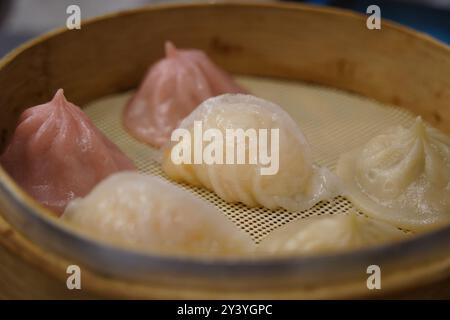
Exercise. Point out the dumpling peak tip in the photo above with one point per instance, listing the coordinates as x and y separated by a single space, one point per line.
59 96
171 50
419 126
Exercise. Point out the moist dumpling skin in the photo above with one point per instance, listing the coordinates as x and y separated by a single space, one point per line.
298 184
401 176
144 213
328 234
57 154
171 89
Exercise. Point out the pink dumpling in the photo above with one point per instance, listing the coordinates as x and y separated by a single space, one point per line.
171 90
57 154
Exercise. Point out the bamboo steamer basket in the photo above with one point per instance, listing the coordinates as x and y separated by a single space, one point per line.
109 54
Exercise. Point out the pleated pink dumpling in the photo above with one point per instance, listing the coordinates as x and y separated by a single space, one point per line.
172 88
57 154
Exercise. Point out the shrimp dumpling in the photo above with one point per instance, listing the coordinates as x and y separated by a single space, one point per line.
285 177
401 176
145 213
57 154
327 234
172 88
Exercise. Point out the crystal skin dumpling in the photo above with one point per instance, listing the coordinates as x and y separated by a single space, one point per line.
327 234
401 176
172 88
145 213
57 154
296 184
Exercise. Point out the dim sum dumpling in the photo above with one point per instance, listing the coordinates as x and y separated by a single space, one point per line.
172 88
141 212
57 154
297 184
401 176
325 234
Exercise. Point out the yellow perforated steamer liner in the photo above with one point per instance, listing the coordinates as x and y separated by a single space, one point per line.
295 44
333 121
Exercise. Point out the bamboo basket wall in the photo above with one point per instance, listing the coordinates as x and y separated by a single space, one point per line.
110 54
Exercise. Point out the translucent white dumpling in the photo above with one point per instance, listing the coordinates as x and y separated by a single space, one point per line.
401 176
141 212
328 234
297 184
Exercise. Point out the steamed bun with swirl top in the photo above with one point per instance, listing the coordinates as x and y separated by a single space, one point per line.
291 181
328 234
57 154
172 88
401 176
145 213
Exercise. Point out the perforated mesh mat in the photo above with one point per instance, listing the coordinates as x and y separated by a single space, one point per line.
333 122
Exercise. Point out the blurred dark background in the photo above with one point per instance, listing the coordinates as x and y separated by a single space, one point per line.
21 20
429 16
